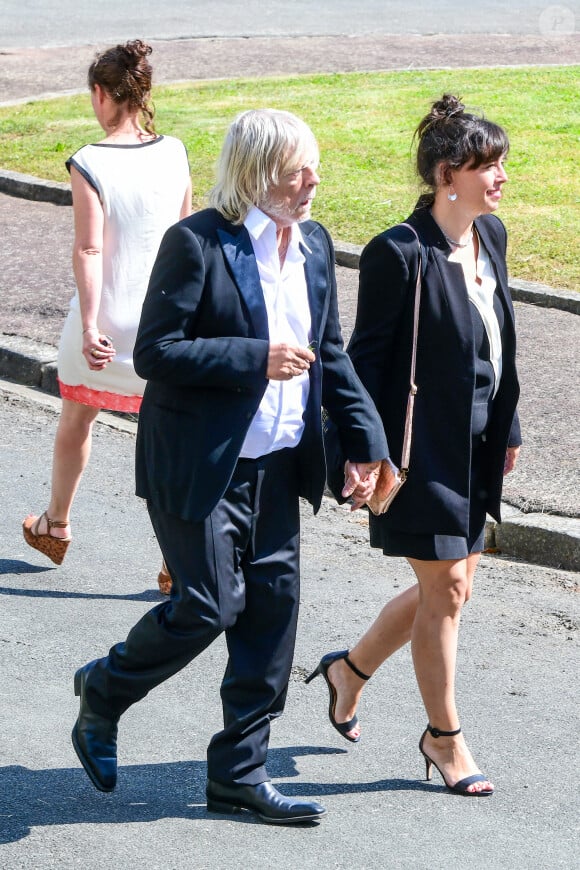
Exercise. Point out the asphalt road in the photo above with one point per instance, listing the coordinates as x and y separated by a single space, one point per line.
516 688
76 22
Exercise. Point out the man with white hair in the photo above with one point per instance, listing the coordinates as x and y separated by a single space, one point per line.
240 344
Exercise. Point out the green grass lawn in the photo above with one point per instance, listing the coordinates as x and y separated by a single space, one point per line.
364 124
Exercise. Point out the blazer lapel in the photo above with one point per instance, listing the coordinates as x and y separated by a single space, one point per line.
317 273
499 268
317 281
239 253
450 277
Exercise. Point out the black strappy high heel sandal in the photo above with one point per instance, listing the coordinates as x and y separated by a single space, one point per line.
460 787
342 727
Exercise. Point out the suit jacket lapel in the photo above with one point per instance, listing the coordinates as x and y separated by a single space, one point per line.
239 253
450 277
498 264
316 271
450 274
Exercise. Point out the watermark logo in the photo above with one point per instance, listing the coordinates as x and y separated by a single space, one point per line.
557 21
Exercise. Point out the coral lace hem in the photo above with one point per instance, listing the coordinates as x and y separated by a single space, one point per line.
100 398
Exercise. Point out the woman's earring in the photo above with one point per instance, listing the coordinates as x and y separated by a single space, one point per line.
451 196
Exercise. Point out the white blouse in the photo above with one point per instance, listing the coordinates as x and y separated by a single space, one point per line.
480 293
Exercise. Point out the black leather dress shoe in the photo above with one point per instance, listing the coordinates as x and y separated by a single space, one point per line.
264 800
95 739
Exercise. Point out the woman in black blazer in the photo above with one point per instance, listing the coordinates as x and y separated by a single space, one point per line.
466 433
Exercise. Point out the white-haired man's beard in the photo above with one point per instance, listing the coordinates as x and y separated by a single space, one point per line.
280 211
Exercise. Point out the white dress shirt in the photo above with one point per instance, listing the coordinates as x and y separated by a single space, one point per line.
279 422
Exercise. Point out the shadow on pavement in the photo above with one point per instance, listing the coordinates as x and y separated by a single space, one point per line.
146 792
147 595
15 566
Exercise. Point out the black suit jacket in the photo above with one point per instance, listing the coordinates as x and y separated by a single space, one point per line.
435 498
202 346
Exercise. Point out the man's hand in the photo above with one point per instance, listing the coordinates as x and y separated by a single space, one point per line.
286 362
360 481
511 457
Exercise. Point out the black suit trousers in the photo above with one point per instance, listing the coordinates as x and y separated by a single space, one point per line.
236 572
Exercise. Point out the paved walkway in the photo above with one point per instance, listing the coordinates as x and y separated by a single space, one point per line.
36 280
517 673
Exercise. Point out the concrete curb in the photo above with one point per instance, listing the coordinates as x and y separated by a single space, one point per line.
30 363
30 187
544 539
539 538
522 291
59 193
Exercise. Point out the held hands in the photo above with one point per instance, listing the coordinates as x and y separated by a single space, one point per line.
286 362
511 457
360 479
386 479
98 349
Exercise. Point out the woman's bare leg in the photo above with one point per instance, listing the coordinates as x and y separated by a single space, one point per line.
389 632
444 587
72 449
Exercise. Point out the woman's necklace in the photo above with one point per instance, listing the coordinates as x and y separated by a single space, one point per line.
453 242
458 244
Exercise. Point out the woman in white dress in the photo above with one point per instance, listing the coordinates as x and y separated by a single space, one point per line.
127 190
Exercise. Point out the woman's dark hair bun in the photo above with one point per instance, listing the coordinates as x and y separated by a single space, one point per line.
447 107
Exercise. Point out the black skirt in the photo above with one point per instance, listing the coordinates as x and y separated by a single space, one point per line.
434 547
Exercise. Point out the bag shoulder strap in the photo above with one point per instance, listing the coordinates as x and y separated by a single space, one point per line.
406 453
417 306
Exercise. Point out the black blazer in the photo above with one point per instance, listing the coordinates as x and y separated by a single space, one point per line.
435 498
202 346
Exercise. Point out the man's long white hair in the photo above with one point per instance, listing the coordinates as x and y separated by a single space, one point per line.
260 147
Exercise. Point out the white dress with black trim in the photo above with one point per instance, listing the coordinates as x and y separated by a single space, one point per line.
141 188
